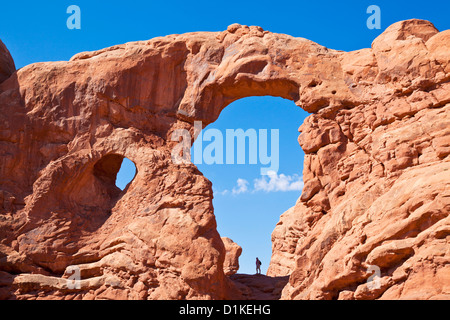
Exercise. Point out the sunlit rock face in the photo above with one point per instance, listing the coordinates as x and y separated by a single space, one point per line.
376 170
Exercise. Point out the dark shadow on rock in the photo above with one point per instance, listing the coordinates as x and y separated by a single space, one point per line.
259 286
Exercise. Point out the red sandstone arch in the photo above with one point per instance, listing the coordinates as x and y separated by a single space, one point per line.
379 126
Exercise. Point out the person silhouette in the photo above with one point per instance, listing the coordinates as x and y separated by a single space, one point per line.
258 266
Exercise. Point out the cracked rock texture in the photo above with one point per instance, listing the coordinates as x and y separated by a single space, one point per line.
376 172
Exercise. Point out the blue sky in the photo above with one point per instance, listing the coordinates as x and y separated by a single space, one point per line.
36 31
248 211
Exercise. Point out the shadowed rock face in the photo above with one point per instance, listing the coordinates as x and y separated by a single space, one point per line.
258 286
7 66
376 169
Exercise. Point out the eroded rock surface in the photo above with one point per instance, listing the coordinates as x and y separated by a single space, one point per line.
259 286
377 178
232 253
376 171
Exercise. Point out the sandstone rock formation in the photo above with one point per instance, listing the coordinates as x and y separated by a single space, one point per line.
7 66
377 170
232 253
377 179
258 286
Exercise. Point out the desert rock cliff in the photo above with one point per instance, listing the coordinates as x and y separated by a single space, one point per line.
376 172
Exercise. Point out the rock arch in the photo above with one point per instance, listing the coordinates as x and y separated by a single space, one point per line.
378 126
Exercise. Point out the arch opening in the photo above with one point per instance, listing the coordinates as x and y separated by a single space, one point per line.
248 204
126 174
115 172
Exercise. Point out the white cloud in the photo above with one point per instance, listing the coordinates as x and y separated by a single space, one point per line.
242 186
274 182
218 192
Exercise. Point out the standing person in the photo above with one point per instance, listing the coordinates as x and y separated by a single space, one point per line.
258 266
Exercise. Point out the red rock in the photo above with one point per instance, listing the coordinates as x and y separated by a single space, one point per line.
258 286
7 66
233 251
376 169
